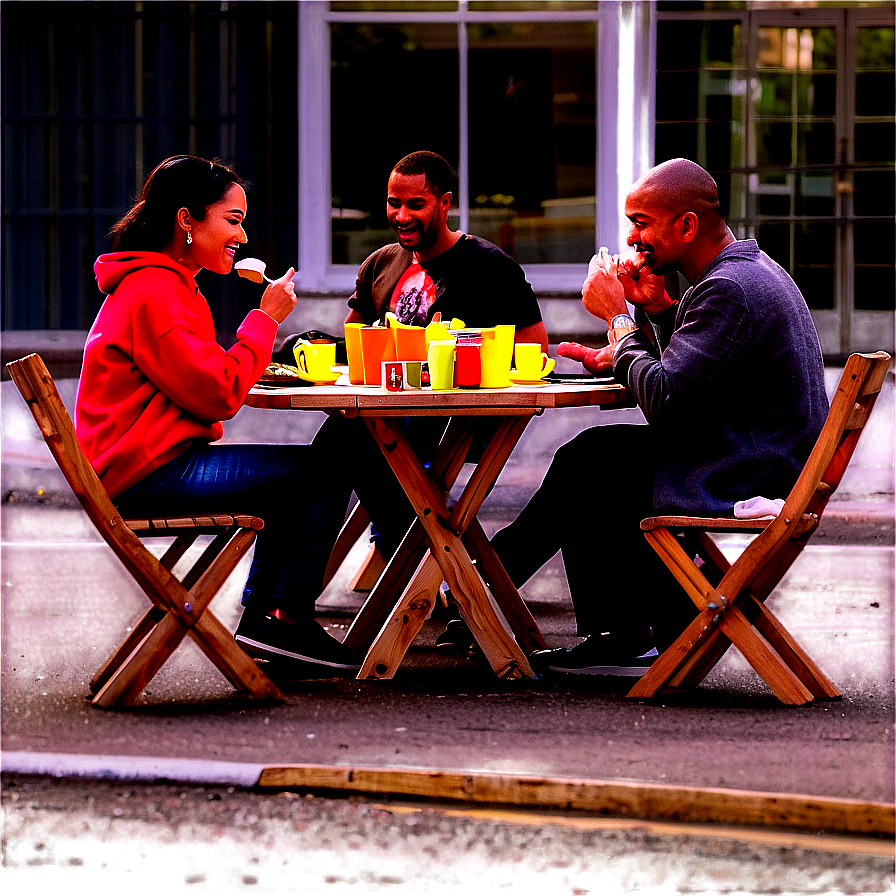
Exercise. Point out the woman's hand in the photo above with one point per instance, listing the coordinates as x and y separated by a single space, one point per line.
280 297
598 361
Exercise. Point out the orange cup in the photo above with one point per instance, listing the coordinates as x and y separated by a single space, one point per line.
353 351
410 343
377 345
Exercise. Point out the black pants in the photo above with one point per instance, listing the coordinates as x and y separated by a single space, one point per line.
348 441
596 491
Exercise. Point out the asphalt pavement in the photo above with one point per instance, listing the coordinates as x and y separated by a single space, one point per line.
65 603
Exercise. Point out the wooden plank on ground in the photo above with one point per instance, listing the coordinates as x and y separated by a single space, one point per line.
626 799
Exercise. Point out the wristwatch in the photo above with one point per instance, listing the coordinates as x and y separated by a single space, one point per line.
619 326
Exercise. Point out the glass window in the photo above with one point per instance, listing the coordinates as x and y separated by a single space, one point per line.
701 84
532 139
394 90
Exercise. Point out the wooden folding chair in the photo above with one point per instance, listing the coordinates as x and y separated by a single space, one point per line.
734 610
179 607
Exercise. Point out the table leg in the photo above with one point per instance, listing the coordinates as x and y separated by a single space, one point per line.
445 468
446 547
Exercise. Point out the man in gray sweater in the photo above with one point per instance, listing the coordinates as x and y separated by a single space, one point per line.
731 382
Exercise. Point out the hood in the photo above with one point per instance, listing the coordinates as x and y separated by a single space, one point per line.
112 268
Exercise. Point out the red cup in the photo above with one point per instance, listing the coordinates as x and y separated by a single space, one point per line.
467 365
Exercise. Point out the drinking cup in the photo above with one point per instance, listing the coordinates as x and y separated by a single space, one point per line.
496 354
413 374
531 362
410 343
467 365
315 360
377 345
353 351
440 359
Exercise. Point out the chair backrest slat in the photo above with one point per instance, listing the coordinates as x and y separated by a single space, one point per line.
36 385
857 391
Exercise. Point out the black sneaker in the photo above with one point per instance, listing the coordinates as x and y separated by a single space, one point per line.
457 638
269 638
597 655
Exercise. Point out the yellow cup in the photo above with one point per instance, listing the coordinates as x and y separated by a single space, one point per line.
315 360
531 362
440 358
353 351
495 356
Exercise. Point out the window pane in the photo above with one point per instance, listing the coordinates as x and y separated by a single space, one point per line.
875 192
529 5
874 253
532 139
700 100
394 90
403 6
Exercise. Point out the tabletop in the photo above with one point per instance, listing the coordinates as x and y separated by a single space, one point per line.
376 400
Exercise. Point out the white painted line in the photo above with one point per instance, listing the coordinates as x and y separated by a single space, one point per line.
101 544
131 768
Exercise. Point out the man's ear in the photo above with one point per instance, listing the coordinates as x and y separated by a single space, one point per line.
445 200
690 224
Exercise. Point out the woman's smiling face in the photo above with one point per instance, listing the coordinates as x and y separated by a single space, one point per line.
217 237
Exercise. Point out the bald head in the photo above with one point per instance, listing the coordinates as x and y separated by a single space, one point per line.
677 223
681 185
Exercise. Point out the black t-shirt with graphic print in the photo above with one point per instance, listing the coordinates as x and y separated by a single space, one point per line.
474 280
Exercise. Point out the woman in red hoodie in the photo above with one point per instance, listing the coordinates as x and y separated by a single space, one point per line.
155 385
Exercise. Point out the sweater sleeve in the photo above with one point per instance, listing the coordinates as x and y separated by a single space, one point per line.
175 348
712 328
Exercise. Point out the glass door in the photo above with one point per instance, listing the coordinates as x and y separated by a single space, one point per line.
820 164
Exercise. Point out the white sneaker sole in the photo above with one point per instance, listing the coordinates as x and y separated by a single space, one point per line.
267 651
618 671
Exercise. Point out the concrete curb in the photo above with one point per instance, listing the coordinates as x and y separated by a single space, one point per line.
621 799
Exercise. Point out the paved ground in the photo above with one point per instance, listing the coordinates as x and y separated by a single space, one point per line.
64 602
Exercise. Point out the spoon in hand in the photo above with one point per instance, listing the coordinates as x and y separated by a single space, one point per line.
252 269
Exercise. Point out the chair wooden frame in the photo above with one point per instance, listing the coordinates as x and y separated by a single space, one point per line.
734 611
180 607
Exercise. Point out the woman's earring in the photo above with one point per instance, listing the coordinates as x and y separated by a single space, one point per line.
189 238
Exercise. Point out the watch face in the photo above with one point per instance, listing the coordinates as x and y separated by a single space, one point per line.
621 320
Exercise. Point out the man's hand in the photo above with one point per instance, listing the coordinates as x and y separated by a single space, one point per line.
641 287
602 293
598 361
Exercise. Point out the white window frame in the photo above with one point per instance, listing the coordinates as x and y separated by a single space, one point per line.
625 63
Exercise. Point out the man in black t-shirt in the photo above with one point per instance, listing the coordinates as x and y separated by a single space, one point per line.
434 269
430 269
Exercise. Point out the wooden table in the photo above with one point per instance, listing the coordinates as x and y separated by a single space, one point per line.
443 544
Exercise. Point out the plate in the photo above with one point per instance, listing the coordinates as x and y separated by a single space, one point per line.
521 381
278 381
327 380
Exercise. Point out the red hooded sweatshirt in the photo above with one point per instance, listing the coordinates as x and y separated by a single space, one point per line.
154 380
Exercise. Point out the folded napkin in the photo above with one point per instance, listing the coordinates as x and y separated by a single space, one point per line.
758 508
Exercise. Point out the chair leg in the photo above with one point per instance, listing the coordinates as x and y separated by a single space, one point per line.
236 666
796 659
369 572
138 632
764 659
132 676
352 529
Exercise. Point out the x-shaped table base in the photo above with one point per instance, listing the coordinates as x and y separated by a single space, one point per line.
442 545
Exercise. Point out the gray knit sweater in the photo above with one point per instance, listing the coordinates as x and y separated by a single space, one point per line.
734 394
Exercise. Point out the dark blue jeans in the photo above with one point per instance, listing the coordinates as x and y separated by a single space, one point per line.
293 488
